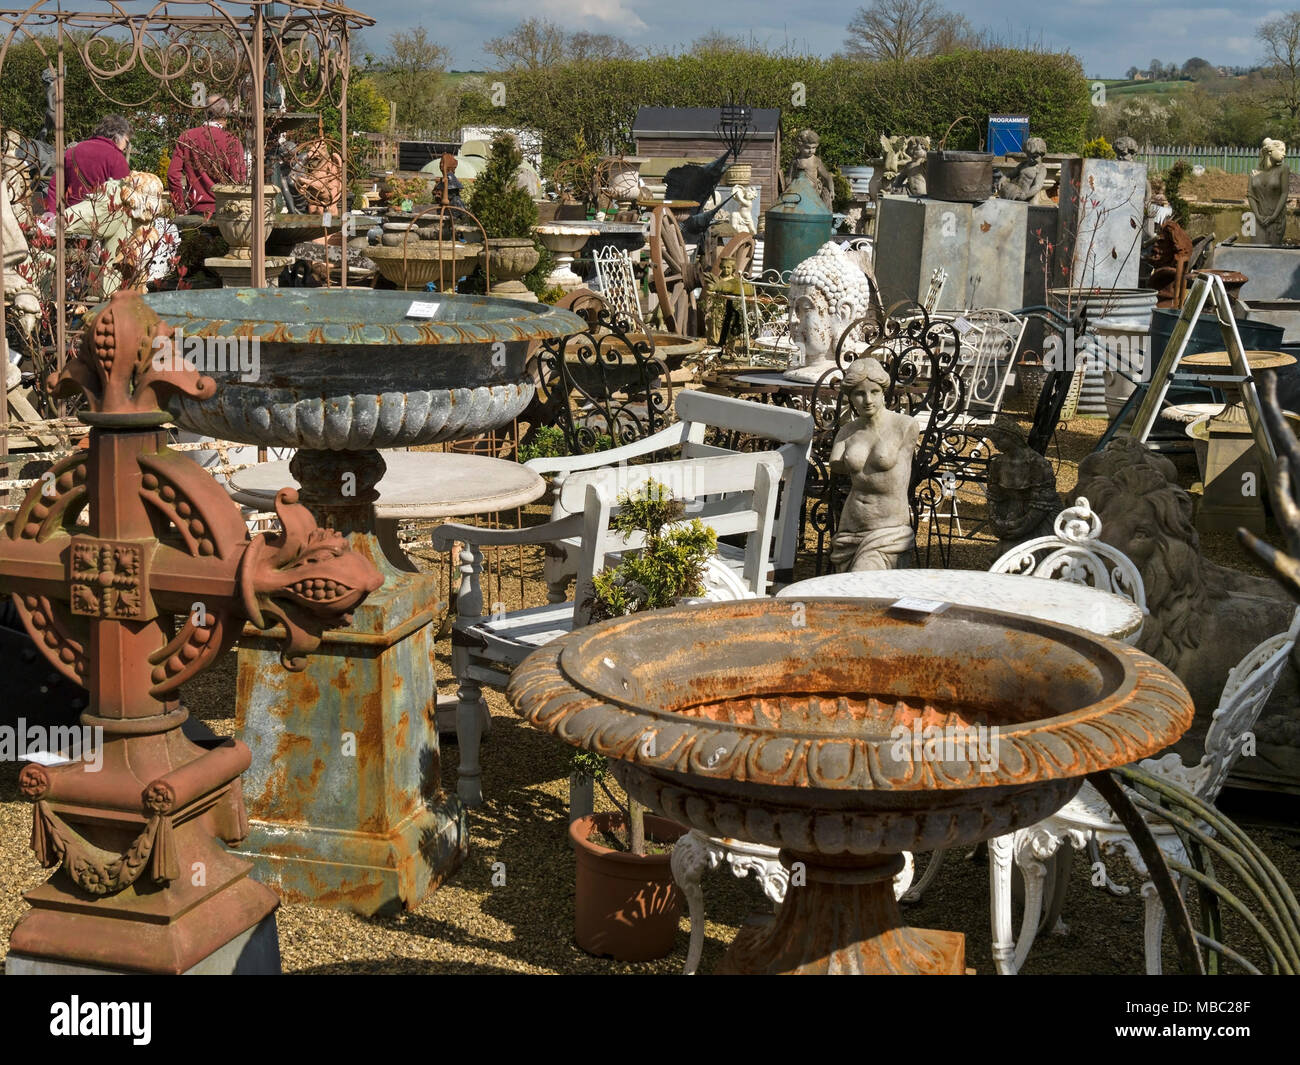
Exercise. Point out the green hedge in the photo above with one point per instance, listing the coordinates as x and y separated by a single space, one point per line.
849 102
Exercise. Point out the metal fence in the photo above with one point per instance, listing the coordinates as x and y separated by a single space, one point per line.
1233 160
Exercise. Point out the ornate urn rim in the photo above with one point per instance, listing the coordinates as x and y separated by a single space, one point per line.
594 689
268 314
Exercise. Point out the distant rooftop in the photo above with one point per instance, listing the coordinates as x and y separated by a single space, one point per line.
699 121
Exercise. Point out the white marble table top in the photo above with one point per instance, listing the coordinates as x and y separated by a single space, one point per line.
1062 602
417 484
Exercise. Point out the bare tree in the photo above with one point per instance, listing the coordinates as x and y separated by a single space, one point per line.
597 46
1281 40
532 45
715 41
412 74
896 30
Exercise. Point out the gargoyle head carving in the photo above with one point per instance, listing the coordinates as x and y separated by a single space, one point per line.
305 577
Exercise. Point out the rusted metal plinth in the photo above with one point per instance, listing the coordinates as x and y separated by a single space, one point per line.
346 807
139 599
843 919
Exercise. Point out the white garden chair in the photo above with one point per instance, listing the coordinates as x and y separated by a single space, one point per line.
1087 820
1074 553
486 647
697 413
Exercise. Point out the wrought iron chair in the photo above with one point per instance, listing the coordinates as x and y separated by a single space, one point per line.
602 387
699 415
487 645
1087 820
1076 553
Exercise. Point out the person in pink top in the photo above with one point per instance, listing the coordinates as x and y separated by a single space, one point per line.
89 163
206 155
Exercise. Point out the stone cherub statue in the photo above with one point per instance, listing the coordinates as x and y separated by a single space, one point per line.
874 449
1030 175
1269 188
807 163
911 173
828 292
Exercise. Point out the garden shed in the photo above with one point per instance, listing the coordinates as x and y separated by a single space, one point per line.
692 133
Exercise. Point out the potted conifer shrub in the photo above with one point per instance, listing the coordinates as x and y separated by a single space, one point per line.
507 214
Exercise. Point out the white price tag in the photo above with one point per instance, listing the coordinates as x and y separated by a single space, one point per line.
962 326
326 218
920 606
422 309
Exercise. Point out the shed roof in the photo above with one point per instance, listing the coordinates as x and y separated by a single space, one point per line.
700 122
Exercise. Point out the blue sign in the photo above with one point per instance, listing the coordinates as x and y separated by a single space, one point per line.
1008 133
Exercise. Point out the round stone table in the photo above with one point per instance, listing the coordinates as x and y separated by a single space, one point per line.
1084 607
417 484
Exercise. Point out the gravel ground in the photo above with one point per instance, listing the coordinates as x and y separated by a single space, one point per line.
526 925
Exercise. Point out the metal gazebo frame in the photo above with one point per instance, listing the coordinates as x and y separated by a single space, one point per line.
192 49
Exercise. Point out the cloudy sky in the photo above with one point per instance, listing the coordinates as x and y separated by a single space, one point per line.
1109 36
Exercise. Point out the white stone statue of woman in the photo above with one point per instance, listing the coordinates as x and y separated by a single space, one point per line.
828 292
1269 187
875 451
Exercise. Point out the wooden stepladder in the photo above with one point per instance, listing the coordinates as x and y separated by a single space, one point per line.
1207 288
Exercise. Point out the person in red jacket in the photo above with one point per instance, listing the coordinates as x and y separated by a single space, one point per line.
206 155
89 163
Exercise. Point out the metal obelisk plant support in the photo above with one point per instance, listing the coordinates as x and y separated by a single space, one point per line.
139 599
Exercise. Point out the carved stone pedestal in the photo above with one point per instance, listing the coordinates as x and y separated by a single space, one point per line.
345 802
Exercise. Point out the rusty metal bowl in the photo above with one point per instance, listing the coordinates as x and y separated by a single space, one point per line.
751 721
959 177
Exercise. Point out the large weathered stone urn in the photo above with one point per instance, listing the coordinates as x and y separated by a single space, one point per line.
845 733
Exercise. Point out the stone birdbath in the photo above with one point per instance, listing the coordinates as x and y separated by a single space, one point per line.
563 241
344 793
846 732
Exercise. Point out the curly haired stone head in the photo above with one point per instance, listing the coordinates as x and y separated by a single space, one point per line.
835 277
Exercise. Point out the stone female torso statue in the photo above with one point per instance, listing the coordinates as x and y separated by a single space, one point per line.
1268 191
875 451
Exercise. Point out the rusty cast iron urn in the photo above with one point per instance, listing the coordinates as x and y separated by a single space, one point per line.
345 799
844 733
133 572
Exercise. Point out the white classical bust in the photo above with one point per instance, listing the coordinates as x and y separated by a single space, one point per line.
828 291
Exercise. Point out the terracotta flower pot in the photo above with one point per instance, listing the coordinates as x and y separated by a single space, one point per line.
625 907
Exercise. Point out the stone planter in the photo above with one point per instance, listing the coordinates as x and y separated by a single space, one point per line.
422 262
625 907
737 174
625 178
563 242
509 259
233 214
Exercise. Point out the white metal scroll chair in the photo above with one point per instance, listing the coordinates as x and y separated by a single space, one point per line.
616 282
1087 820
697 413
1076 553
1073 553
486 647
